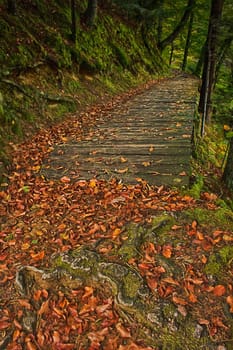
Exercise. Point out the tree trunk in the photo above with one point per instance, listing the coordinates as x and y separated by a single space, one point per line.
208 74
11 6
73 21
91 12
160 22
171 54
170 38
188 40
228 171
200 62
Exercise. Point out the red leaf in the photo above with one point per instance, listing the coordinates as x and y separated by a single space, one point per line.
219 290
4 324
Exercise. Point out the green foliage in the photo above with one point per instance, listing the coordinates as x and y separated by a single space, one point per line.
122 56
218 261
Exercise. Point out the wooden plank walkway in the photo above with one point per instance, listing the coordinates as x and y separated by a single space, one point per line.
149 138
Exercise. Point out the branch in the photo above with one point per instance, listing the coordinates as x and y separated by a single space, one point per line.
171 37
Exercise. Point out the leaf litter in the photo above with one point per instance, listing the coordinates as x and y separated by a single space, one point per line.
41 218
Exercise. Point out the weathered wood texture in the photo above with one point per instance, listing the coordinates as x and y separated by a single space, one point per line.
149 138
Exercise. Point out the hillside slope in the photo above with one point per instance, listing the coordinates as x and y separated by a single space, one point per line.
44 75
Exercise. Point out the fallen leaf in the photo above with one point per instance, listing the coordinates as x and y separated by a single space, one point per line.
167 251
116 233
4 324
122 171
124 333
123 160
192 298
219 290
179 301
88 292
227 238
170 280
38 256
152 283
44 308
230 302
146 164
65 179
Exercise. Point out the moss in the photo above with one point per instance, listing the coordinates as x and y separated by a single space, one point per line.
218 261
161 227
79 263
221 217
122 56
197 187
131 284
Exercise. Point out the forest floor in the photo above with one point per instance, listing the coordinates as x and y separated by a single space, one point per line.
95 263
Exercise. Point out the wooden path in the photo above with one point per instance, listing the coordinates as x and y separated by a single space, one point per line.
148 138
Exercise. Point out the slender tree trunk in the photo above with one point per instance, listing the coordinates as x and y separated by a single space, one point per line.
91 12
200 62
209 68
11 6
170 38
160 22
171 54
73 21
188 41
228 171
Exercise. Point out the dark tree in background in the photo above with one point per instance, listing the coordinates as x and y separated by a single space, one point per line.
11 6
210 59
91 12
73 21
188 41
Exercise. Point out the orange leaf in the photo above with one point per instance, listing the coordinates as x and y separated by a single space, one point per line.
194 224
204 259
24 303
200 236
116 232
219 290
167 251
230 302
124 333
192 298
65 179
38 256
37 295
179 301
44 308
152 283
88 292
170 280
